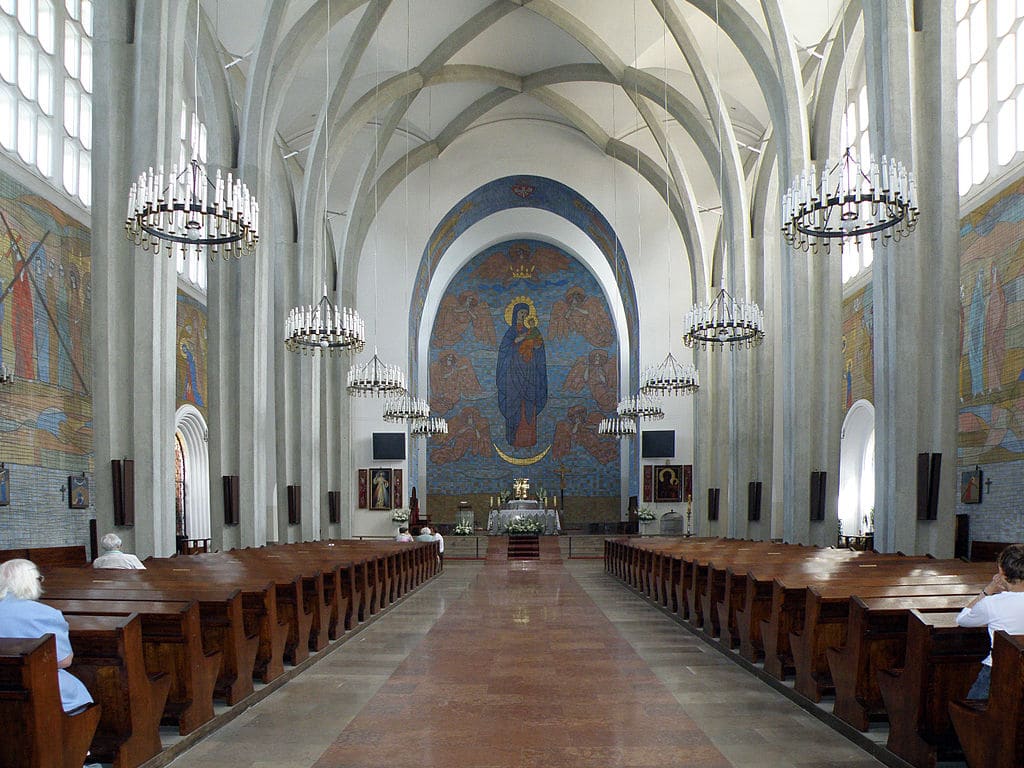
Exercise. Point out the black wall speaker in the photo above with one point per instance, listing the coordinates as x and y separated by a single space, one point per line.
334 507
754 500
294 504
713 496
122 473
230 499
819 485
929 472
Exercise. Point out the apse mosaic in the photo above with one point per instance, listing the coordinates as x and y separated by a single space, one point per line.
858 348
523 358
45 278
190 354
991 422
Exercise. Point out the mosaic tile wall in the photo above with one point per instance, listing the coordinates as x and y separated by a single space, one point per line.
858 348
46 413
523 360
991 423
190 354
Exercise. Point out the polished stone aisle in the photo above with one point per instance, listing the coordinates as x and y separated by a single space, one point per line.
520 664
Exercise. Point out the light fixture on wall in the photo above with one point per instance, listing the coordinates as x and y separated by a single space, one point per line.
851 198
324 328
185 209
428 427
725 320
617 426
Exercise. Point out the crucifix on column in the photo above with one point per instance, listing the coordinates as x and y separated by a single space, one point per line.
562 471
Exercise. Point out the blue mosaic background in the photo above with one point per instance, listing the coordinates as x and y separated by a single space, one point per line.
581 353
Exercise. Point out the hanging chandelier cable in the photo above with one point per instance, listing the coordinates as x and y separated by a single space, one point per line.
324 327
851 198
185 210
375 378
724 321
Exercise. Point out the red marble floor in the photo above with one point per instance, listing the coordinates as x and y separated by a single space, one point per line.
523 670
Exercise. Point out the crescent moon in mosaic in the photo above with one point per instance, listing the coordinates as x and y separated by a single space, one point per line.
522 462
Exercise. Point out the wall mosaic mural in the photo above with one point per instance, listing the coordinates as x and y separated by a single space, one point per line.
858 348
190 354
523 357
46 430
46 414
991 340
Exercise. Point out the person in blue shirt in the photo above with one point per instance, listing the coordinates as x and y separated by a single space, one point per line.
23 616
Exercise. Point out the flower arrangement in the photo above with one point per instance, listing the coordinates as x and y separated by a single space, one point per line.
646 515
521 525
400 516
463 529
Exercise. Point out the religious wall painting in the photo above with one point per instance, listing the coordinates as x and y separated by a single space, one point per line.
576 312
452 378
363 483
506 401
521 377
668 483
191 353
579 428
857 348
380 488
78 491
648 489
970 486
469 433
397 491
991 338
459 314
45 312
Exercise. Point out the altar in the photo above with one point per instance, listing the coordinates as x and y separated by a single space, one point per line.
526 509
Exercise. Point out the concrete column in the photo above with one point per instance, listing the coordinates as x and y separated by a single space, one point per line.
912 87
133 322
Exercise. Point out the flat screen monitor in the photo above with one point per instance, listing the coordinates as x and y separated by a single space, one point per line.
388 446
658 444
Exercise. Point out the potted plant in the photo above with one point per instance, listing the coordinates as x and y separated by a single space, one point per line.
645 515
463 529
400 516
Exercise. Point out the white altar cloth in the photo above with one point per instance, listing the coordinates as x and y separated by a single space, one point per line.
498 519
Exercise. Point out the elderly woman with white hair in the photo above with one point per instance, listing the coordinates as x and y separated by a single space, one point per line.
23 616
113 557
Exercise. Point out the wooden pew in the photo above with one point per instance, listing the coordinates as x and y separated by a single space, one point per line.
35 730
109 659
827 617
992 732
73 556
876 640
172 644
240 624
942 661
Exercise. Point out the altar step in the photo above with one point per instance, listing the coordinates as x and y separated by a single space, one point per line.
524 547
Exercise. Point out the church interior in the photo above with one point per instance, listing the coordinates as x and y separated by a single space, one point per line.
588 287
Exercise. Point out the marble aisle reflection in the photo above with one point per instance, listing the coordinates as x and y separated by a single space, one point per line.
534 663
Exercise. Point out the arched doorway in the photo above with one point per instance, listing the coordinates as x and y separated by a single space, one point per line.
191 473
857 470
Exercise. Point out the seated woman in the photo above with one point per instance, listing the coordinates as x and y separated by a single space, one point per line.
22 615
